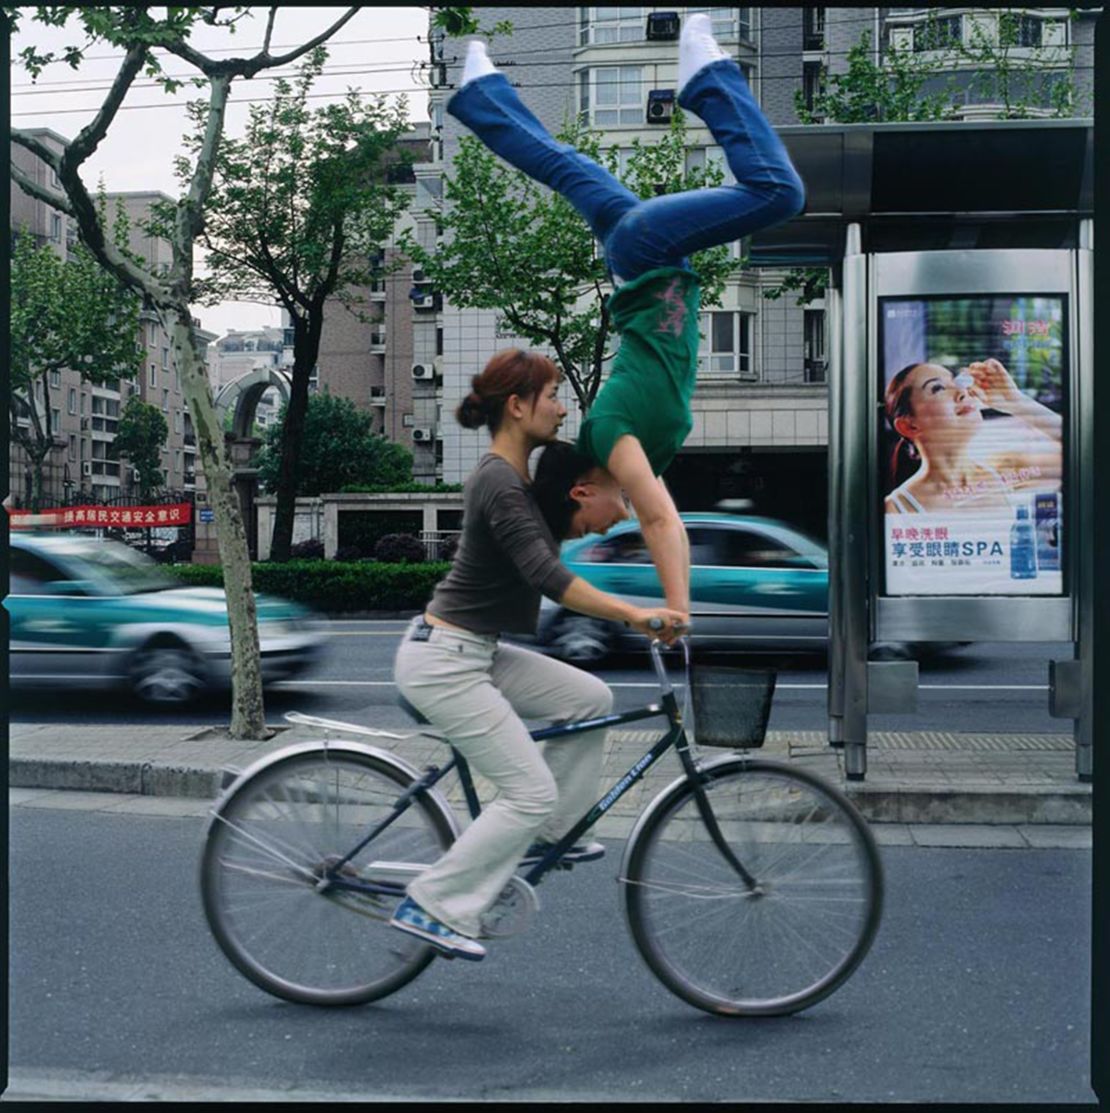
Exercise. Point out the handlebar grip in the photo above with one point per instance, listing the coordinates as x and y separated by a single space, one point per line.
656 623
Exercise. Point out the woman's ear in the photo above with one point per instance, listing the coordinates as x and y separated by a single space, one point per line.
905 427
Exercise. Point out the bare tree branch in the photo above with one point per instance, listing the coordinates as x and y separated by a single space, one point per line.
269 30
29 186
89 137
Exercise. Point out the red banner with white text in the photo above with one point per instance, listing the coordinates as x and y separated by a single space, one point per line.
101 517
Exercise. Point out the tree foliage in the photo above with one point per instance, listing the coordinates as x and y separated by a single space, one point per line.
512 245
338 447
65 314
140 437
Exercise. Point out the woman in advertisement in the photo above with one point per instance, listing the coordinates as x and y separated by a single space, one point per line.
964 463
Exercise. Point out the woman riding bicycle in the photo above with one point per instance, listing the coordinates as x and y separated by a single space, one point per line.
642 414
453 669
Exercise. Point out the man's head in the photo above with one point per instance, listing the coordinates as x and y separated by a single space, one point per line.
575 495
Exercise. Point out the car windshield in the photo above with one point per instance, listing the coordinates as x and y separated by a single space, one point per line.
128 571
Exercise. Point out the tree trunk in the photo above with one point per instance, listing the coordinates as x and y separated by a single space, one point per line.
248 718
306 348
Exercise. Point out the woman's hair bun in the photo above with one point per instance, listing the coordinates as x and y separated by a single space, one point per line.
471 412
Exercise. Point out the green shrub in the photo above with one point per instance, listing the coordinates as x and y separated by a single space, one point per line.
333 586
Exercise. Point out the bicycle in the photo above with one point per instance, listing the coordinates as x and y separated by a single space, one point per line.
751 887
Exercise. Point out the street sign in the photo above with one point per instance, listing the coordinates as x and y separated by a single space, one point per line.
206 515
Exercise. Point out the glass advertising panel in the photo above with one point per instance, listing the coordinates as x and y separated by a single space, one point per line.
972 400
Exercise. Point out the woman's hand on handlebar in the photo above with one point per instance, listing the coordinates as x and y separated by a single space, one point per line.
659 622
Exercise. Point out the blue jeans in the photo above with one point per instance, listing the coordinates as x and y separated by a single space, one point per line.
640 235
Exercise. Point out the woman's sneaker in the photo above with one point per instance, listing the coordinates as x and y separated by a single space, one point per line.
580 852
411 918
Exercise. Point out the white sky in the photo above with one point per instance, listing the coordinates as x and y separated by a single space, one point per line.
376 51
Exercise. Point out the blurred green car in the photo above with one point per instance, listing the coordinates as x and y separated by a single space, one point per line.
755 583
92 612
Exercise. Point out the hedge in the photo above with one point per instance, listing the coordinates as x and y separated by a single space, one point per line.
332 586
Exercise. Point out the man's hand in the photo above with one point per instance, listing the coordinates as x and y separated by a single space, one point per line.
660 622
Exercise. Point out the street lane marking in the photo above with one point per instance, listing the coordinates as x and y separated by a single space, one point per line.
646 684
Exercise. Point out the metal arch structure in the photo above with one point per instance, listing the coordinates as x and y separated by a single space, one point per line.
242 395
907 207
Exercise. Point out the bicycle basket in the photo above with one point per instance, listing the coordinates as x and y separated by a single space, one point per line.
731 706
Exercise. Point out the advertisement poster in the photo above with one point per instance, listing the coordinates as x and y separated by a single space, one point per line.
971 444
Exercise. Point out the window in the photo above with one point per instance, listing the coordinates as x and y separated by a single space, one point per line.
617 95
55 379
56 227
71 407
939 33
165 400
741 548
1028 29
815 362
177 421
152 333
625 548
153 380
613 25
73 446
166 358
55 419
813 83
725 347
439 341
813 28
744 23
29 572
177 380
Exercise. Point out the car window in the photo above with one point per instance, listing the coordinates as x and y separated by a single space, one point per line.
625 548
741 548
122 569
704 544
28 572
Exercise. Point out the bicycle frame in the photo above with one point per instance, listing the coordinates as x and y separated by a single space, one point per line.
674 736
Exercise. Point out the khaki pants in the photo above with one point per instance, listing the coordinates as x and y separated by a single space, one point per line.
476 691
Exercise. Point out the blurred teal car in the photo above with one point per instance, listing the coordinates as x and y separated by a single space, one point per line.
92 612
755 583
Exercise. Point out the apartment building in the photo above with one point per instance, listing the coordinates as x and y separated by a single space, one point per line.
375 363
85 417
760 412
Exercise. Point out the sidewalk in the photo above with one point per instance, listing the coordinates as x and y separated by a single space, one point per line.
932 788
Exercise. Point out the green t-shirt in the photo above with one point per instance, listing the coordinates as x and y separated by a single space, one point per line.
649 389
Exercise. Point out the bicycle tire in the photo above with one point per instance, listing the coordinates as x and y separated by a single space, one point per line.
264 852
797 939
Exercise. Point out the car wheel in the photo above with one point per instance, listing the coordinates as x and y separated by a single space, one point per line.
581 640
167 675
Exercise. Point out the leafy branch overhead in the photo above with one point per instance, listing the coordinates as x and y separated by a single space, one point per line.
510 244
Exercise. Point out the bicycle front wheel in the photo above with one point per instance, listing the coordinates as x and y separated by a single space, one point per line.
267 851
785 937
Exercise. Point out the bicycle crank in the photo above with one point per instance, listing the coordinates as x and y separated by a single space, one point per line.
512 912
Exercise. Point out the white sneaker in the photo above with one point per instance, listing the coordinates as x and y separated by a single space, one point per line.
696 48
477 62
413 920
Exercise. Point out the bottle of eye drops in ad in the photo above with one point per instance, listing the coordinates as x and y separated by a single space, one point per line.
1023 547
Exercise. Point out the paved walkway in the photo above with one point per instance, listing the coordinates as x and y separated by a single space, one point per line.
930 788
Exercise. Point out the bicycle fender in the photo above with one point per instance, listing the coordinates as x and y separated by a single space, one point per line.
339 746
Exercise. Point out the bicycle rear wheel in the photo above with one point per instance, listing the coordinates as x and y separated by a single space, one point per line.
266 852
725 947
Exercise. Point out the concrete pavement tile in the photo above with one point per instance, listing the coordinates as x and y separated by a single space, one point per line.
176 806
892 834
1050 836
18 796
967 835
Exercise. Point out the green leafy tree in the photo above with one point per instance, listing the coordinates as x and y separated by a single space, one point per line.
299 212
512 245
338 448
140 437
141 32
65 314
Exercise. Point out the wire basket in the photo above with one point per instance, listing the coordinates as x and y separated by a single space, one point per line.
731 706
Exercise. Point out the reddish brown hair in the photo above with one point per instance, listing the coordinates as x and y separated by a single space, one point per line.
512 371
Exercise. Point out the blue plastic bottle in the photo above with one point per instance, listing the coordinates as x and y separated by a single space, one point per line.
1023 547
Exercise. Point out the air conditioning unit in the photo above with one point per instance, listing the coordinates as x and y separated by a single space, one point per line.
422 435
424 301
662 25
660 106
86 467
901 38
423 371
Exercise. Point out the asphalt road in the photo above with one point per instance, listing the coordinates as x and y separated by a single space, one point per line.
976 990
983 687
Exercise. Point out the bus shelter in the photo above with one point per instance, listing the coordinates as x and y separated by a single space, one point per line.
960 398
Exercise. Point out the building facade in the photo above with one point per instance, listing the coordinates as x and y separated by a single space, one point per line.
760 411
